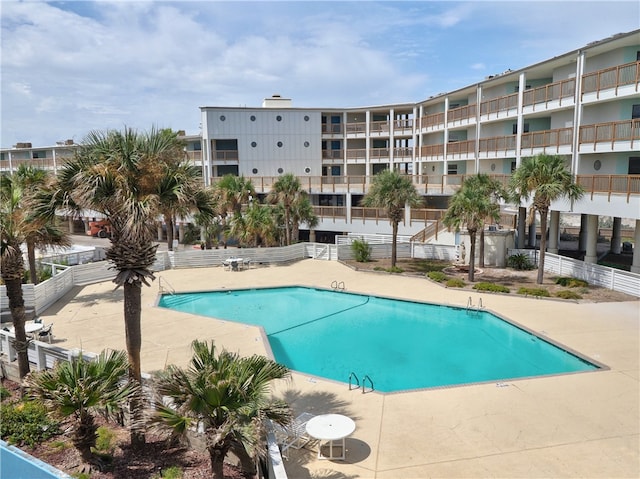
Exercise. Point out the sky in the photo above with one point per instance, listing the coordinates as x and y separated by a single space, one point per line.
70 67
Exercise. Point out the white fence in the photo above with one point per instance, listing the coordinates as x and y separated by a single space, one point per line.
610 278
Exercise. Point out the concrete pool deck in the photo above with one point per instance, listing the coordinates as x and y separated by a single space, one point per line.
578 425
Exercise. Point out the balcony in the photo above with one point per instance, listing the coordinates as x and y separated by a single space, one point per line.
547 140
432 151
614 133
334 155
433 120
610 184
403 126
194 155
331 212
380 127
552 93
332 129
461 149
379 154
457 115
356 154
356 128
499 145
375 214
611 78
498 105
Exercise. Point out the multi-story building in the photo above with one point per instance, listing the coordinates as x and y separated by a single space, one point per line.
583 105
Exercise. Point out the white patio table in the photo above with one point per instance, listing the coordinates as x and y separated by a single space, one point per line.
331 429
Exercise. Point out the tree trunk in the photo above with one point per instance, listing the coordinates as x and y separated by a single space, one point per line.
394 243
169 222
132 313
16 306
481 249
217 463
33 270
287 231
543 244
472 255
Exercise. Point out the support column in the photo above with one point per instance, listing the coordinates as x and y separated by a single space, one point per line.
616 237
554 232
159 231
522 226
591 255
70 222
86 225
635 263
582 236
312 235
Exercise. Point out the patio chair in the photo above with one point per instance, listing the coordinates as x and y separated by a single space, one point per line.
294 435
46 332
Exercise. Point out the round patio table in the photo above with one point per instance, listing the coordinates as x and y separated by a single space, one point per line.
331 429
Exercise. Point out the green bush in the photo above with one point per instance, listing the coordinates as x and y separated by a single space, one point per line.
105 440
26 423
539 292
568 294
520 262
455 283
437 276
4 393
572 282
491 287
173 472
395 269
361 250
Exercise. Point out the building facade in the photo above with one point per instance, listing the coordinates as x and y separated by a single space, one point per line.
583 105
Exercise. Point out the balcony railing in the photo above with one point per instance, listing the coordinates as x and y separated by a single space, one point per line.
359 127
226 155
498 144
427 151
332 154
404 125
379 127
194 155
614 77
403 152
496 105
333 128
433 119
626 130
376 214
356 153
461 113
331 212
461 148
547 139
379 153
556 91
609 184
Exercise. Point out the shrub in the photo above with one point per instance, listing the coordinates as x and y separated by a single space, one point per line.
437 276
491 287
455 283
572 282
4 393
395 269
173 472
361 250
568 294
520 262
539 292
26 423
105 440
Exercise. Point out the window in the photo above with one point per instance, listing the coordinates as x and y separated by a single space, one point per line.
226 145
525 128
279 144
223 118
635 111
307 170
254 171
306 118
280 170
39 154
306 144
513 166
452 169
278 118
634 165
254 144
253 118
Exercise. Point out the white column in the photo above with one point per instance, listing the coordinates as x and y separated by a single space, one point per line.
522 226
616 239
591 255
635 264
159 231
181 233
554 232
70 222
532 234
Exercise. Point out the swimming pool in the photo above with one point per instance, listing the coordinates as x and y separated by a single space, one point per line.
400 345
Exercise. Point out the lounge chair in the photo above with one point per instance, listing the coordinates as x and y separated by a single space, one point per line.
294 435
45 332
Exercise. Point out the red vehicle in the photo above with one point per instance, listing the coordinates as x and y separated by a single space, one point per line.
101 229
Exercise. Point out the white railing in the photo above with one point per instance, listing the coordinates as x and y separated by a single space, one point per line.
603 276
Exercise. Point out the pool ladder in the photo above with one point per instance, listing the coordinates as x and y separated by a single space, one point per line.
337 286
365 379
167 288
472 307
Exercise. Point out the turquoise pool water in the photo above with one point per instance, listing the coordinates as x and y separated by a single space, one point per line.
17 464
400 345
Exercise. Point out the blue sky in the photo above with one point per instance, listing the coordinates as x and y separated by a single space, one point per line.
70 67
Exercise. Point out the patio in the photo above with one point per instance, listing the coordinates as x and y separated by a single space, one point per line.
583 425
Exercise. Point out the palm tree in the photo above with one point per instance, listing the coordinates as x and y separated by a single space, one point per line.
260 224
547 179
225 394
232 192
493 189
25 218
302 212
180 193
392 191
470 206
43 231
82 388
286 191
117 174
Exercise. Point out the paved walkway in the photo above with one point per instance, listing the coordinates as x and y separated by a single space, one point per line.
580 425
